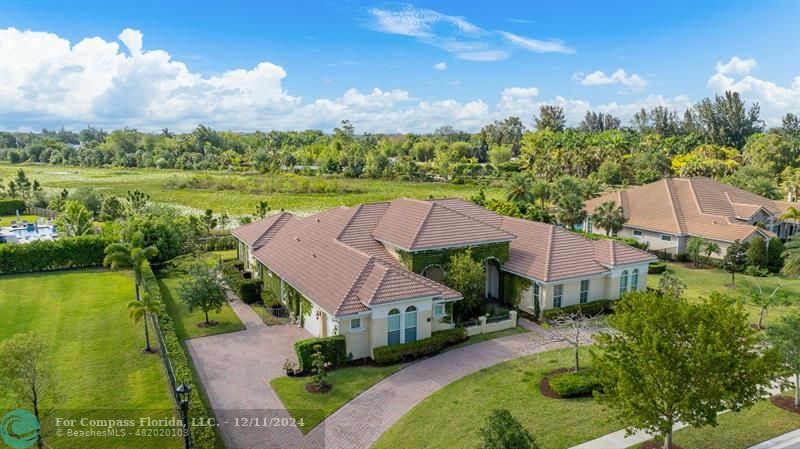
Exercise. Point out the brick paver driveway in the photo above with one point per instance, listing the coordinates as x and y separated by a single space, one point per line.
236 368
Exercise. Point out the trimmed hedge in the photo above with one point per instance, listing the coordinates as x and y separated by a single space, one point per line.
204 437
388 355
582 383
10 207
601 306
250 291
231 274
47 255
334 349
657 268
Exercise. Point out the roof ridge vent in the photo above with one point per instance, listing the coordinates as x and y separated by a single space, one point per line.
297 238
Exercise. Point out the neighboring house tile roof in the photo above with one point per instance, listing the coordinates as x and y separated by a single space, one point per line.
335 257
257 233
414 225
691 206
548 254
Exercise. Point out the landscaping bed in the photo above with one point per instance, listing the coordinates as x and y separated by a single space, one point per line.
192 324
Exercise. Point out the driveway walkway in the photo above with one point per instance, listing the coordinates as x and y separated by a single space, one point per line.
789 440
235 369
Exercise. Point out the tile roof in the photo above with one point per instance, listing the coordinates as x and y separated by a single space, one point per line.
691 206
335 257
257 233
414 225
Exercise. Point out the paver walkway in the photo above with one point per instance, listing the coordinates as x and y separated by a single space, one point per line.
235 369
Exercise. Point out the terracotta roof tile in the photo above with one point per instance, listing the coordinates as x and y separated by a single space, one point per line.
257 233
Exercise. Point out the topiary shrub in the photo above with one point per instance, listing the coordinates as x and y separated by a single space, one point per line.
598 307
657 268
570 385
334 349
388 355
250 291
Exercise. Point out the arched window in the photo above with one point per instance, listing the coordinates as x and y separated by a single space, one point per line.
635 280
623 283
411 324
394 327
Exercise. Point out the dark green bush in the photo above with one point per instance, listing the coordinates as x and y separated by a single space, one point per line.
598 307
250 290
47 255
681 257
568 385
334 349
270 299
232 275
657 268
10 207
387 355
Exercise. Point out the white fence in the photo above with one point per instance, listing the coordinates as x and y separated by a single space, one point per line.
494 324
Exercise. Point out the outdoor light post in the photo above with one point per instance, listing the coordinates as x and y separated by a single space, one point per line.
184 392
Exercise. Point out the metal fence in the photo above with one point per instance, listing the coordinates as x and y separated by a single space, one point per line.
30 210
498 318
274 316
469 323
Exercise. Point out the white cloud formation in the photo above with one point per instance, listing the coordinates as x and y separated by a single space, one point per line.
416 22
440 66
736 66
483 56
599 78
536 45
775 100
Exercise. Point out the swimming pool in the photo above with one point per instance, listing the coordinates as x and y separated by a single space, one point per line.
28 233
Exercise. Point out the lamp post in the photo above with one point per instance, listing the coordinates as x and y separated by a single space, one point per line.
184 392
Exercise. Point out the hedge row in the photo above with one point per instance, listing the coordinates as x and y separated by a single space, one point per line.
657 268
10 207
250 290
387 355
582 383
204 437
334 349
47 255
590 308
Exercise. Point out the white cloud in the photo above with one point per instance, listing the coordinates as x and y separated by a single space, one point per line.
736 66
520 92
440 66
599 78
416 22
483 56
775 101
132 39
536 45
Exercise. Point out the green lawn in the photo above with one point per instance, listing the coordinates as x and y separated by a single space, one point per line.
240 192
702 282
453 416
314 408
5 220
94 350
186 323
224 254
489 336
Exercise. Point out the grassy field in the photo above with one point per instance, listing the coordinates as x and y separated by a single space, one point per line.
314 408
237 193
702 282
94 350
186 323
5 220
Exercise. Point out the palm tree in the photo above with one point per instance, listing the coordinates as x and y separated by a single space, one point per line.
75 219
791 254
541 191
119 255
791 214
138 310
609 217
710 248
570 210
519 189
791 185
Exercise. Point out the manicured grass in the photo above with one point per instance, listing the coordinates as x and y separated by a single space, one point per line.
488 336
290 193
94 350
314 408
186 323
741 430
452 417
224 254
702 282
5 220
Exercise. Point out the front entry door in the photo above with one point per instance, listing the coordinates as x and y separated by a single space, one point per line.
492 281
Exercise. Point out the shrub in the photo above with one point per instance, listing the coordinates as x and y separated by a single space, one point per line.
590 308
755 271
46 255
334 349
250 290
10 207
270 299
568 385
233 277
657 268
681 257
387 355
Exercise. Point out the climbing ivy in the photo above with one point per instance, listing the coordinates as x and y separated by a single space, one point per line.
513 288
419 260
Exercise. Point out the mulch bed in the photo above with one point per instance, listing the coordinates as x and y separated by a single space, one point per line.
211 323
692 266
311 387
785 403
655 444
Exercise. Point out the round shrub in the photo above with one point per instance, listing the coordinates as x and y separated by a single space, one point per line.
657 268
570 385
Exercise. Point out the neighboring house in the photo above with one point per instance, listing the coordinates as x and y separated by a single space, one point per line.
374 272
666 213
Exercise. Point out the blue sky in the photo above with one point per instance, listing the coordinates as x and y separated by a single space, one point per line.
325 60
